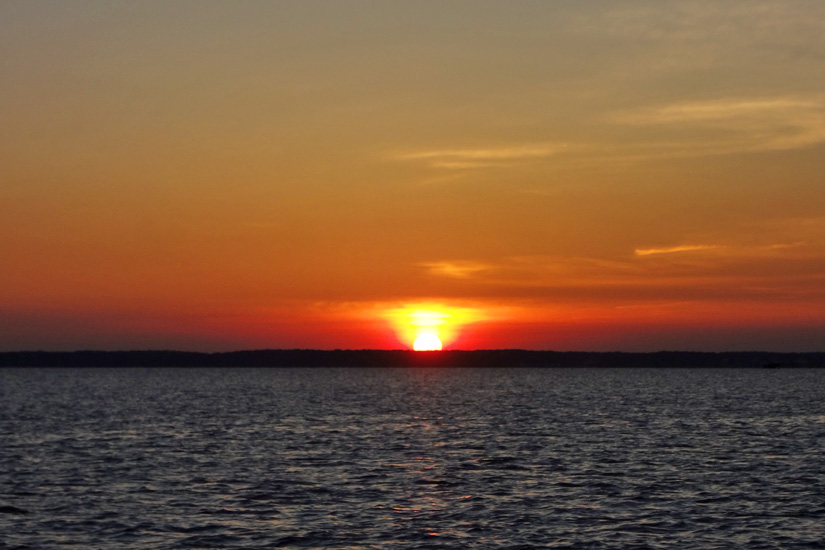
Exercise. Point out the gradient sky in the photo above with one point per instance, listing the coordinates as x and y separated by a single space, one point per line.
592 175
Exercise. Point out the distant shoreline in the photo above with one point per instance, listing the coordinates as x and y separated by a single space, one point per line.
408 358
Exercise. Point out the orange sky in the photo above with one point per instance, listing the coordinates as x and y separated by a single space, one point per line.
551 175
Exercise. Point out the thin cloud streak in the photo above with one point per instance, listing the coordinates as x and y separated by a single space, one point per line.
464 165
674 249
699 273
720 126
457 270
484 157
721 109
736 125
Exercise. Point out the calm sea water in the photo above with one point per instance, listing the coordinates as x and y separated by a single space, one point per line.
411 458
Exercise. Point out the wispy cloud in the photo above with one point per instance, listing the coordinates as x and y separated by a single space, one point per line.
704 111
719 126
456 269
463 165
458 159
705 33
675 249
763 271
736 125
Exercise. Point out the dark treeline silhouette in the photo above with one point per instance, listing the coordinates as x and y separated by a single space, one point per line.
407 358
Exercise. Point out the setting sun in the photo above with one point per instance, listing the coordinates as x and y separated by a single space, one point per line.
430 326
427 342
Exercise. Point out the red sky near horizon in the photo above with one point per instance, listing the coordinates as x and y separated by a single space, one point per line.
567 175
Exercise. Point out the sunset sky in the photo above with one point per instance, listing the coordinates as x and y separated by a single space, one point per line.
569 175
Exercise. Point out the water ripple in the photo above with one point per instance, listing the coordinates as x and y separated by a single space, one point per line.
407 458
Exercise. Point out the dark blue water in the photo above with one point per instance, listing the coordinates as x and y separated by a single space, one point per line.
406 458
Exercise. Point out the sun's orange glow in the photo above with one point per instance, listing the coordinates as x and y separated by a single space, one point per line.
427 342
338 199
430 326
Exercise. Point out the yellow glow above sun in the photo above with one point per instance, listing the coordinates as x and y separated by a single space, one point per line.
428 327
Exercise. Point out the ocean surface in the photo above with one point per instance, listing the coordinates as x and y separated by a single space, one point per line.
412 458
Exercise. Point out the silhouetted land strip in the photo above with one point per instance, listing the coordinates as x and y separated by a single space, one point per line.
405 358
